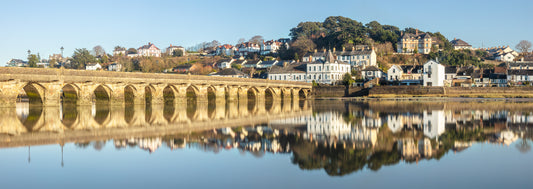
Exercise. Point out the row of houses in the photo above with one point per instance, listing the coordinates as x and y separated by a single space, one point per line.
434 74
246 48
149 50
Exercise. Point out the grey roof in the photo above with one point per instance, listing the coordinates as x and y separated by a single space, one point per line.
290 68
270 62
459 42
450 69
371 68
520 72
252 62
409 69
229 71
239 61
520 64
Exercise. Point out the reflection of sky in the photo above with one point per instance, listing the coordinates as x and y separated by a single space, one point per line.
481 166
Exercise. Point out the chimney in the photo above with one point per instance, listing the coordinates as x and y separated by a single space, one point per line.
416 32
343 49
454 38
372 47
401 33
316 50
310 58
324 50
353 48
334 49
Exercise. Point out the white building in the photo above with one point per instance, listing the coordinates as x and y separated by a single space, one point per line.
119 51
93 66
371 72
433 74
149 50
394 73
460 44
171 49
326 72
226 49
247 48
271 47
520 76
114 67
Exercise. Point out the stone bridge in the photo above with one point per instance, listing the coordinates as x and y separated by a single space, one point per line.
51 87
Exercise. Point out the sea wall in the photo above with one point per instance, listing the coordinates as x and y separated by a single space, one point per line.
484 92
337 91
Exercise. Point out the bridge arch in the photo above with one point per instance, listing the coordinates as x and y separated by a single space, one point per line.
148 94
302 94
130 92
34 92
102 94
170 93
270 96
192 94
70 93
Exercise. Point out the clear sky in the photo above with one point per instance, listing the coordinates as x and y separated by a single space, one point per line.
45 26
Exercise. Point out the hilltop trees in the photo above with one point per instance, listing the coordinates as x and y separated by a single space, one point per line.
81 58
32 60
523 46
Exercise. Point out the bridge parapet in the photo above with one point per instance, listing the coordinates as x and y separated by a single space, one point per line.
48 86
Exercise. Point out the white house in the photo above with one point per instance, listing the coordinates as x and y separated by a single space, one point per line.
119 51
394 73
149 50
226 49
247 48
271 47
230 72
93 66
171 49
371 72
433 74
520 76
505 57
114 67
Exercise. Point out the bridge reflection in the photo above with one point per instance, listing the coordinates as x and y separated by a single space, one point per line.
28 125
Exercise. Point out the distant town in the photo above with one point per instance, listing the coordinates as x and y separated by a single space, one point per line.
338 51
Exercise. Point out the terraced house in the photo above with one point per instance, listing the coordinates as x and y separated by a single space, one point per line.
360 56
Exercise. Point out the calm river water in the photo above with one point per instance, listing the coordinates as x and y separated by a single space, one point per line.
304 144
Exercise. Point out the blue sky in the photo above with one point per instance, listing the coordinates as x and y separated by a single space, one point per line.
45 26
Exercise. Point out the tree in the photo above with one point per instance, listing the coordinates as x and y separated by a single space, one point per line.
98 51
131 51
81 58
256 39
177 53
32 60
303 45
523 46
53 63
347 79
241 40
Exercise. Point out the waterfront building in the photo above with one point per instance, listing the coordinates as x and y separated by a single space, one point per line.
394 73
371 72
433 74
326 72
149 50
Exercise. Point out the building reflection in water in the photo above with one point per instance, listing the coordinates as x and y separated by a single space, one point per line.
339 139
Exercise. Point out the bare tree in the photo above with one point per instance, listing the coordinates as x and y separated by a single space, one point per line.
241 40
523 46
256 39
98 51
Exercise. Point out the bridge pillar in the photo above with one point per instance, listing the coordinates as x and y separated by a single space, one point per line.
242 94
9 91
286 94
220 93
295 94
157 93
85 95
201 94
138 93
116 96
179 92
233 93
51 95
260 100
